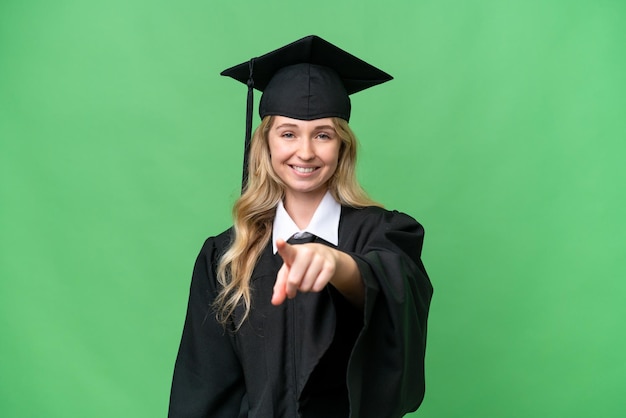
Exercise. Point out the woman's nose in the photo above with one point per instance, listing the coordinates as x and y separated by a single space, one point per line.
305 150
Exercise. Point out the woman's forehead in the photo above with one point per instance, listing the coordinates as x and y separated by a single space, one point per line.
285 122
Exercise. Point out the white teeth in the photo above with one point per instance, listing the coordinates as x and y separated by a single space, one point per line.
303 169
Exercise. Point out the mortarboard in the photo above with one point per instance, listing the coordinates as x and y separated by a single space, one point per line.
307 79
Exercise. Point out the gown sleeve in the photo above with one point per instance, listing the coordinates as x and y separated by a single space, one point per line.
386 369
208 381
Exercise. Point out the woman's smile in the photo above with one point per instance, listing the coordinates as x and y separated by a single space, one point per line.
304 170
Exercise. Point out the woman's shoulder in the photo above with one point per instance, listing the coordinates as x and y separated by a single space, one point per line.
217 244
376 214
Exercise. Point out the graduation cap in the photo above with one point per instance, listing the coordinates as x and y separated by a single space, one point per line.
307 79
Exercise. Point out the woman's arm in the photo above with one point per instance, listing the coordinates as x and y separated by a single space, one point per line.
208 380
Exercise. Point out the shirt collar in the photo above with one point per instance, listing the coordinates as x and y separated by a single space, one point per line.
324 223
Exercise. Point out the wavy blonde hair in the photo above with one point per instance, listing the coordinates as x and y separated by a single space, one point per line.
254 212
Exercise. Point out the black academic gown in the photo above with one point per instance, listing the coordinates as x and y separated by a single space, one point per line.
315 355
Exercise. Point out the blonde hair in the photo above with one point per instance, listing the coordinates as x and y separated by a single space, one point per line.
254 212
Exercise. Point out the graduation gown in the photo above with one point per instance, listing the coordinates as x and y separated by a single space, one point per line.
315 355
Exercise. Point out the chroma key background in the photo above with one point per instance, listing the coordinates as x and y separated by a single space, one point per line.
504 133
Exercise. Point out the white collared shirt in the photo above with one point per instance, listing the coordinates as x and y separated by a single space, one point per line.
324 223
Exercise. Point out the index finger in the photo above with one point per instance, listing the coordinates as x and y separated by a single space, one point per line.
286 251
280 292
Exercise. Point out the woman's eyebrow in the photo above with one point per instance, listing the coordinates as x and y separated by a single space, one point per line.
287 125
332 128
296 126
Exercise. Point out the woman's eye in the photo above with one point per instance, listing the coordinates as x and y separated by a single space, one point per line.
323 135
288 135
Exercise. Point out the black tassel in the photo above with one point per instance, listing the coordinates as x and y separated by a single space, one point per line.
249 110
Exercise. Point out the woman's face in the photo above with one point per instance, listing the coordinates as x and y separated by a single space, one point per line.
304 154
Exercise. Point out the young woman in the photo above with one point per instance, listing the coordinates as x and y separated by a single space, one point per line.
314 304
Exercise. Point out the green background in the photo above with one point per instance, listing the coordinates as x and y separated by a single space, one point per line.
503 132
